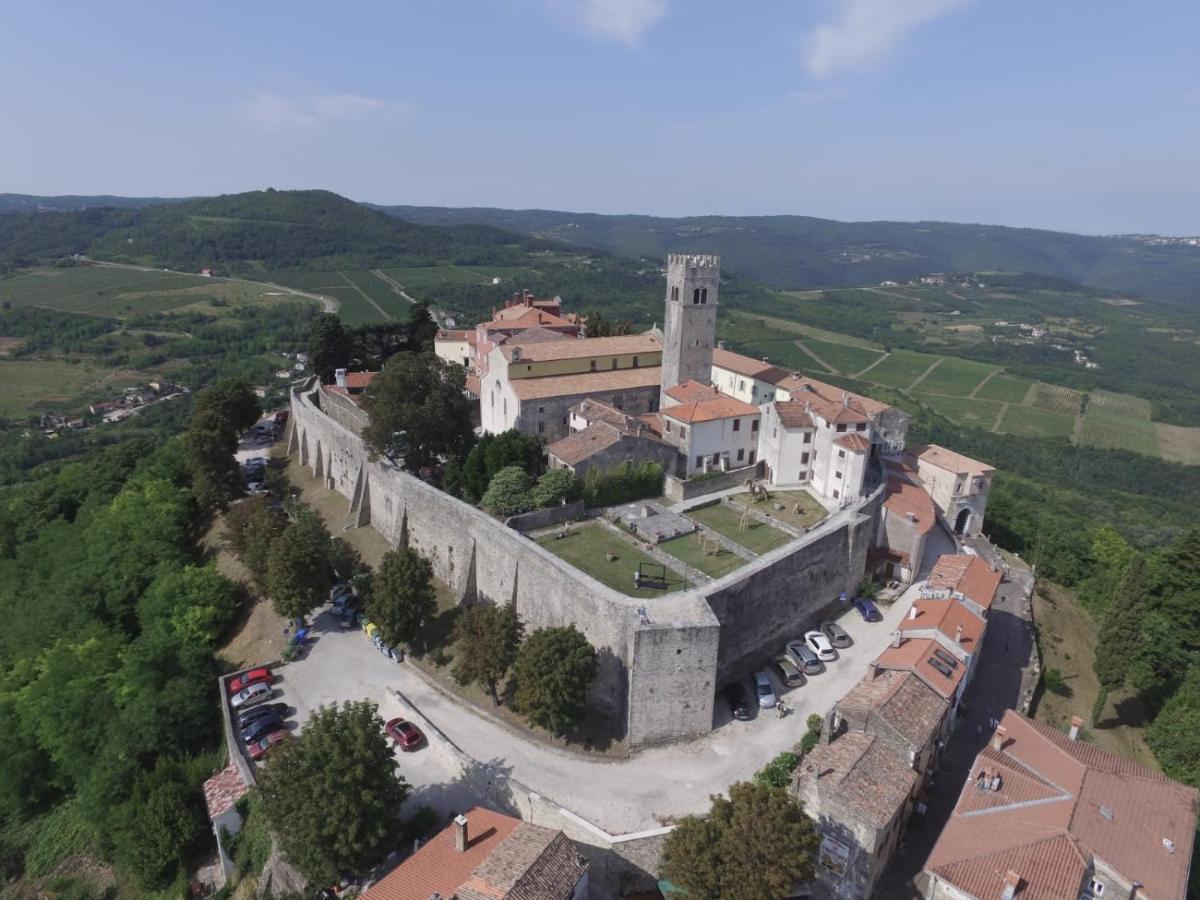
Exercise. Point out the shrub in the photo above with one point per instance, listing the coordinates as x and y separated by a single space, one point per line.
815 723
554 488
509 492
622 484
1055 683
778 772
810 740
1098 706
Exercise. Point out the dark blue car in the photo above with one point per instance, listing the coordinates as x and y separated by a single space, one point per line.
260 728
867 609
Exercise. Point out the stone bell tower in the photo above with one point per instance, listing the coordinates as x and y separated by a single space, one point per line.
690 325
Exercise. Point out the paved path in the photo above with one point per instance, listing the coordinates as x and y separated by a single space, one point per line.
383 312
925 374
826 366
619 795
882 357
999 684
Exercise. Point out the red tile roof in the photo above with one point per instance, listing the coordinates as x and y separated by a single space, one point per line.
934 455
913 655
719 407
224 790
575 448
901 701
1061 803
586 383
584 347
902 498
946 616
855 443
861 771
748 366
793 414
965 574
525 317
359 380
801 387
692 390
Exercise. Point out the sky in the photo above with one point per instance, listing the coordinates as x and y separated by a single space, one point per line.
1069 115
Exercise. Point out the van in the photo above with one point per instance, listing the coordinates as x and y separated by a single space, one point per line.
806 661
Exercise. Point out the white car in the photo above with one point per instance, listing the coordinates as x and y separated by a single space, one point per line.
765 691
819 644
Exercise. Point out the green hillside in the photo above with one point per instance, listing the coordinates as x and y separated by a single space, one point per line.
800 251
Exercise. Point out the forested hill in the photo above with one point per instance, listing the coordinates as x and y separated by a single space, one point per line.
804 252
260 230
75 202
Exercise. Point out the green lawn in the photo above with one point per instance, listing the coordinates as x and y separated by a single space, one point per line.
1119 432
586 549
1007 388
1029 421
957 377
811 512
965 410
842 357
758 537
688 549
901 368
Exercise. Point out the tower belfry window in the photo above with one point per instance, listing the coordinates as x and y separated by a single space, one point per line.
704 295
696 295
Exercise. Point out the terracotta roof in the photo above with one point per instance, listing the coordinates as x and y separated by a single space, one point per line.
946 616
579 446
223 791
913 655
719 407
965 574
468 335
438 867
586 383
597 411
900 701
535 335
748 366
934 455
793 414
801 387
532 863
855 443
525 317
653 421
1060 804
585 347
861 771
902 498
692 390
359 380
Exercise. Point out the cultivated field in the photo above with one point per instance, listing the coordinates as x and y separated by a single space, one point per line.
56 385
902 368
966 410
1112 404
1029 421
1056 399
1117 432
1179 444
1006 388
956 377
840 358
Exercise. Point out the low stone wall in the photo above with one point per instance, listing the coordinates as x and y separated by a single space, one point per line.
544 518
678 490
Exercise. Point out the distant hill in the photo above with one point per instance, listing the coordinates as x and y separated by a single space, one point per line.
801 252
260 230
72 203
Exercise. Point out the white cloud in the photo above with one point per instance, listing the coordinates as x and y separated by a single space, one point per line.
865 32
274 112
621 20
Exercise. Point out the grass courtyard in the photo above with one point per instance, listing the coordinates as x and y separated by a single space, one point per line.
757 537
800 510
587 548
689 548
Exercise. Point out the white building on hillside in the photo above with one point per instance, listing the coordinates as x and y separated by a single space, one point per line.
712 431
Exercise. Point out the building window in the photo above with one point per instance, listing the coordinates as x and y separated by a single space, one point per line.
653 404
682 431
754 424
541 427
699 462
808 437
1097 887
741 453
506 407
835 495
614 363
541 409
696 295
841 454
774 432
737 424
837 475
529 368
704 295
861 426
635 362
804 459
593 365
753 453
668 426
741 385
841 428
716 459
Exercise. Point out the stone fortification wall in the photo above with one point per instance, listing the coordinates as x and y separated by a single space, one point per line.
658 675
677 490
481 559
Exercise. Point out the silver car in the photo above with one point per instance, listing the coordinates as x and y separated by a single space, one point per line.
765 691
806 661
252 695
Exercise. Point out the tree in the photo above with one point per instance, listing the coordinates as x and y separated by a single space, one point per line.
509 493
345 561
1122 629
402 599
252 527
499 451
418 411
1174 735
298 570
229 407
755 844
332 795
555 487
193 604
553 672
216 478
488 637
422 327
164 817
328 346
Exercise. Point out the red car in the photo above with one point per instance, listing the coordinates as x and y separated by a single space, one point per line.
254 676
404 734
260 747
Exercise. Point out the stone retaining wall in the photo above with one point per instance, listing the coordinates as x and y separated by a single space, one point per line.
678 490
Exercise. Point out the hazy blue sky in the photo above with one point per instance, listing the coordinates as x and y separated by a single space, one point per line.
1052 113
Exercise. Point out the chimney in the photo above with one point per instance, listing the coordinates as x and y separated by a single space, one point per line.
339 377
516 354
912 612
873 665
460 833
720 345
998 738
897 639
1012 881
958 635
911 516
1076 724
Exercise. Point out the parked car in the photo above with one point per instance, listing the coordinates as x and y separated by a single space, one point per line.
867 609
260 748
256 488
404 734
804 658
819 644
837 634
260 728
341 595
735 695
765 691
257 712
253 676
787 672
252 696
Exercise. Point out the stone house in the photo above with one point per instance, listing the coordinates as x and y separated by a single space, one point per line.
711 431
1046 814
956 627
958 485
743 377
905 520
965 577
603 436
